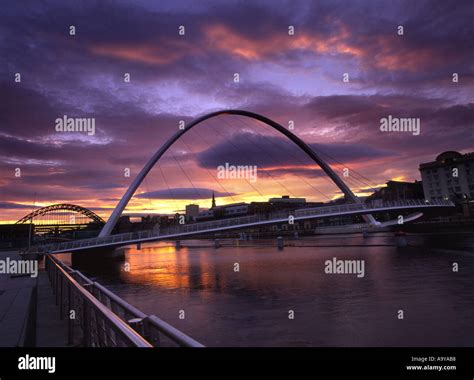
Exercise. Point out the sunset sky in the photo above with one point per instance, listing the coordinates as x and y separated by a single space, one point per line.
180 77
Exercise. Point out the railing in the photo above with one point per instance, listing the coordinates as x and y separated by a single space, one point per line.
372 206
203 226
102 319
97 325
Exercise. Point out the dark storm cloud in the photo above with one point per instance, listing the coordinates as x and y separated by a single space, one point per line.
353 152
271 151
51 194
24 111
358 118
183 193
301 172
132 146
18 148
67 185
15 206
365 108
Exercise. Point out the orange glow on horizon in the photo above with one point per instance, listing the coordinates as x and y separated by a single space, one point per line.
267 186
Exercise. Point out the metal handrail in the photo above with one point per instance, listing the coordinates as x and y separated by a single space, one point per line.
148 327
150 322
171 332
91 306
119 301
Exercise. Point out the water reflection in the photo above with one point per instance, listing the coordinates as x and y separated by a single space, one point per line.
250 307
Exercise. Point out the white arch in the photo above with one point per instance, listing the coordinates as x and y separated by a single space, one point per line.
107 229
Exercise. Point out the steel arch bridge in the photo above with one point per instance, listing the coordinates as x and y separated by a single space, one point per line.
114 217
56 210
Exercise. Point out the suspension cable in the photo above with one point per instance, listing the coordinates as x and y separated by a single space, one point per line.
300 161
269 174
167 185
186 175
238 150
209 172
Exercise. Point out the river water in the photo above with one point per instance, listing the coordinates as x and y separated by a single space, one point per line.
253 306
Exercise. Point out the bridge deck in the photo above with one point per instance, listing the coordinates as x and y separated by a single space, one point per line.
236 223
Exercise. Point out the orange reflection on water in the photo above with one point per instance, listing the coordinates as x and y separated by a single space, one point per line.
164 266
160 265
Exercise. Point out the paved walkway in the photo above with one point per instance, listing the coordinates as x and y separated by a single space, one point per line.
50 330
29 316
17 303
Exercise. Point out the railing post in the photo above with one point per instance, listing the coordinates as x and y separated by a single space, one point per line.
56 275
138 325
61 299
147 332
70 323
86 328
280 243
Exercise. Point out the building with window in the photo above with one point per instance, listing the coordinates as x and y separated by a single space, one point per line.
450 176
242 208
397 190
192 212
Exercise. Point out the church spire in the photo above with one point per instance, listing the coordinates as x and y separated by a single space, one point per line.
213 200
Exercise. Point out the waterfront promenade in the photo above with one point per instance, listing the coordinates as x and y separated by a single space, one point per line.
17 303
29 316
59 306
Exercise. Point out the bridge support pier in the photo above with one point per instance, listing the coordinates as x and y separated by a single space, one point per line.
97 255
178 244
401 239
280 243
